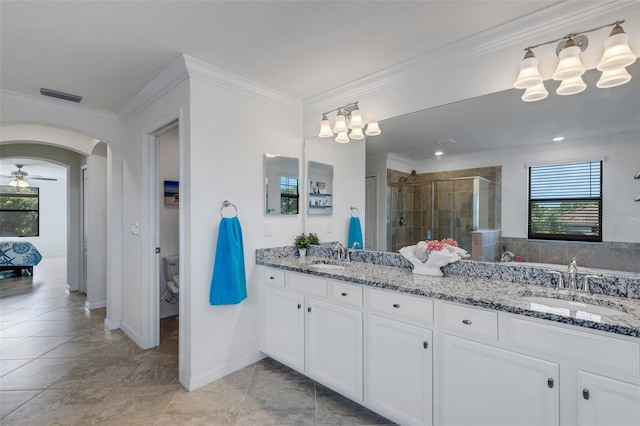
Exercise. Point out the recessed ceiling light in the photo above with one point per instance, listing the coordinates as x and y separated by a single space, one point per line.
558 139
438 153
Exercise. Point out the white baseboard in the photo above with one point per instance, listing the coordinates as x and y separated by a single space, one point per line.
71 288
111 325
95 305
194 383
137 339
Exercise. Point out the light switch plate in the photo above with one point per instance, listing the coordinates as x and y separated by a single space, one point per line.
267 229
328 228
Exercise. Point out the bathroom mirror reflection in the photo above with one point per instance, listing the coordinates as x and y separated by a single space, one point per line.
500 130
320 188
281 185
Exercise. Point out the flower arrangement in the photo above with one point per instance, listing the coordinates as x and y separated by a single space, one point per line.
428 257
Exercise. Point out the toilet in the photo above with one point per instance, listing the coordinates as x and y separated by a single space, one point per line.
172 273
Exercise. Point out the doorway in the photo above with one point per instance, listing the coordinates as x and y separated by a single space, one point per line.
370 215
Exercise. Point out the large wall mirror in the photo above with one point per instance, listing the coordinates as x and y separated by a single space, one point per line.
320 188
500 130
281 185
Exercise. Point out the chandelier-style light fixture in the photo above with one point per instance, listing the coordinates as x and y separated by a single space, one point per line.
616 57
348 124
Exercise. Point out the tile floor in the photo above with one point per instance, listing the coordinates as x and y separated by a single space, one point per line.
60 366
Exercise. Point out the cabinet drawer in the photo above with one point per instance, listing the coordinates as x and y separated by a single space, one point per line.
307 284
614 354
274 277
398 305
346 293
470 321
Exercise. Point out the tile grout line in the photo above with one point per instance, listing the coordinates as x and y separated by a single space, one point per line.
246 392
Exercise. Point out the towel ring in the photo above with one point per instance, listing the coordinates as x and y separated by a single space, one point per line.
226 203
357 211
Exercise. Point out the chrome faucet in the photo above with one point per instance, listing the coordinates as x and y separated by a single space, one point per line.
585 283
339 250
573 276
560 283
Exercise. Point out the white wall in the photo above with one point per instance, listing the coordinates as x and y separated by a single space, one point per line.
348 161
226 163
96 231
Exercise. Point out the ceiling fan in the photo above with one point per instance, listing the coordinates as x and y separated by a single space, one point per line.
19 177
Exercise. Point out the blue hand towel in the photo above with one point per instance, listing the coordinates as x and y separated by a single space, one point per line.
355 233
229 282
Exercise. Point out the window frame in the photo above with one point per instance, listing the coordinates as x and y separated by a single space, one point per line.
285 183
18 194
596 237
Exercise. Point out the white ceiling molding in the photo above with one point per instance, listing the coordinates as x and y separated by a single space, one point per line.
46 104
220 77
516 32
169 78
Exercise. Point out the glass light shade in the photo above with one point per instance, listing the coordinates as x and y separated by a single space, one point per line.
571 86
342 137
535 93
613 78
356 120
372 129
570 65
356 134
529 75
617 53
325 129
19 183
341 124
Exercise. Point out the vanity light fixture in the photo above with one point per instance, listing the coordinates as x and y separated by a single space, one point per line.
616 57
348 124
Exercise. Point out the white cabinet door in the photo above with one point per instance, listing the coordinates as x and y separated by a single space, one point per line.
399 370
606 402
484 385
284 327
334 347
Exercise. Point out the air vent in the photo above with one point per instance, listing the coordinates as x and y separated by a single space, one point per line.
60 95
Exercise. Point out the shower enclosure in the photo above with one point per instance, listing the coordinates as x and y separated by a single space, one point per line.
438 209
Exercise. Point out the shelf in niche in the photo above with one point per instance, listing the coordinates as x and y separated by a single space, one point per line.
311 206
315 194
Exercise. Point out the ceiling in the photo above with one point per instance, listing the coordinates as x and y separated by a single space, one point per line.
107 51
33 167
502 121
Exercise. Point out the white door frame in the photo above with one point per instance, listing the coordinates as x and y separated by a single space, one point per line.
82 285
150 233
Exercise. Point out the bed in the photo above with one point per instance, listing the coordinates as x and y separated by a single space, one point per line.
17 256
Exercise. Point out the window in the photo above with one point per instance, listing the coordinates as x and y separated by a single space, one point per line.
565 202
19 211
289 195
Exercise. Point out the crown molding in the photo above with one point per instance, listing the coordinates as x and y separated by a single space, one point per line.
512 33
214 75
45 104
169 78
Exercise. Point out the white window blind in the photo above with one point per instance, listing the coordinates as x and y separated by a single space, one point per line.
565 201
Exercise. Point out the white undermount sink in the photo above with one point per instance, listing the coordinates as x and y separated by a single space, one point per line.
327 266
570 308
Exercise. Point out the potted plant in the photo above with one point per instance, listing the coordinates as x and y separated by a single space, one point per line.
303 241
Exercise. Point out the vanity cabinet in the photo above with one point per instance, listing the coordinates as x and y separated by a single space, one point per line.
283 336
334 347
307 330
486 385
399 364
604 401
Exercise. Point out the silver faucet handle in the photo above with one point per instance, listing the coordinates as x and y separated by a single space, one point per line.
585 283
560 284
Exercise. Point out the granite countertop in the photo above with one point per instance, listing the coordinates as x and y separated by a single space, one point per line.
481 292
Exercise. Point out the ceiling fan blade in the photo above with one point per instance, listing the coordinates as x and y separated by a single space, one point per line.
6 176
41 178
